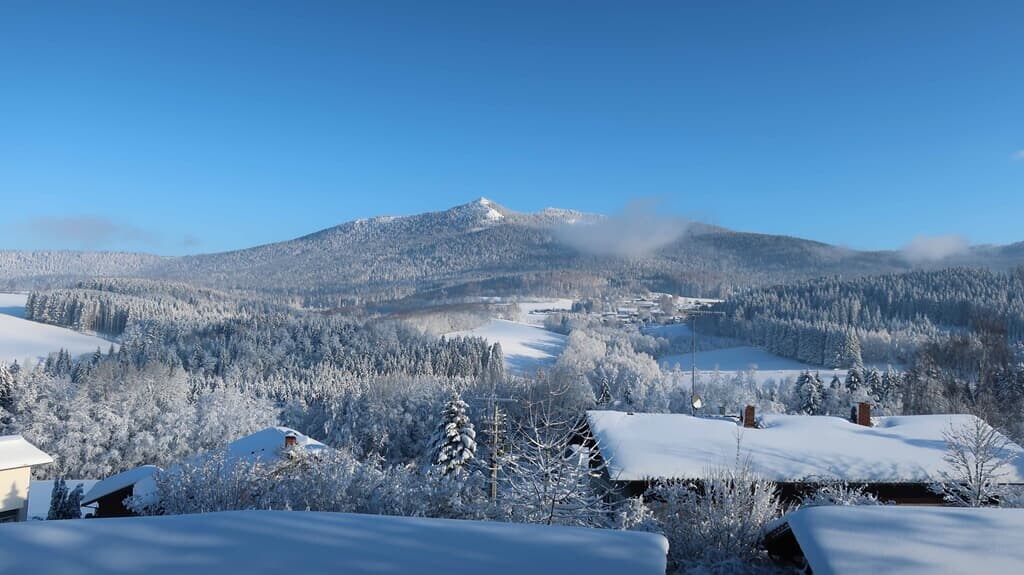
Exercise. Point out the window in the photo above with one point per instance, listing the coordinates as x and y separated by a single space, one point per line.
9 516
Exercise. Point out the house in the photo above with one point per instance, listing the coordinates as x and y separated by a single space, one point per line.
108 496
897 458
847 540
317 542
17 457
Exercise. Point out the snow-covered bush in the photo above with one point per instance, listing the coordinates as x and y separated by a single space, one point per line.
839 493
716 524
324 481
634 514
1012 497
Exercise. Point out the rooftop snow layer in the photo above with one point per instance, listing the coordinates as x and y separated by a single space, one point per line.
266 445
16 451
841 540
906 449
312 543
118 482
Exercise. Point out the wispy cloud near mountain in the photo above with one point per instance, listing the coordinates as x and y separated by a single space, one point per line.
638 230
928 249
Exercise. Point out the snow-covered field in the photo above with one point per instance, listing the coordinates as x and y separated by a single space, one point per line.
40 490
738 359
314 543
22 340
526 347
535 312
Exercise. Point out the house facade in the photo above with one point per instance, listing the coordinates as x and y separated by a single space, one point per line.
17 458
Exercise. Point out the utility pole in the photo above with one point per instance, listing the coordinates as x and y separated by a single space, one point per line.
495 443
695 400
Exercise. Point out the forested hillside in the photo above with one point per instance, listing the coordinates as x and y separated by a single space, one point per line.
891 315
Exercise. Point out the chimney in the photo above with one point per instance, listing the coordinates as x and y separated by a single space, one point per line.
862 414
290 440
749 419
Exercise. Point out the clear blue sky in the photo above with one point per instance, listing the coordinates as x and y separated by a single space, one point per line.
180 126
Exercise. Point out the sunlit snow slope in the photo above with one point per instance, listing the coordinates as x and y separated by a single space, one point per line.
21 339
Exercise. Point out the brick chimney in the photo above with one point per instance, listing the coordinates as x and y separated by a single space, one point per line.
862 414
290 440
749 416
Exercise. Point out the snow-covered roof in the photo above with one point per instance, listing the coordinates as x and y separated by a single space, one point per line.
118 482
840 540
787 448
266 445
313 543
16 451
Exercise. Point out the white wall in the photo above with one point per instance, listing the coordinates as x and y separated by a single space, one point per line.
14 490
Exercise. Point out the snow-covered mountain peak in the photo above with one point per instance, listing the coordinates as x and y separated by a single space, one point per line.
477 213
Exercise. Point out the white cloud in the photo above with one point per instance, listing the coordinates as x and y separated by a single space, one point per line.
1019 155
637 231
88 232
927 249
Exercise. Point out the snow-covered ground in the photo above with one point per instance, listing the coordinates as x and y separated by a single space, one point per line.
22 340
731 360
526 347
321 543
849 540
40 490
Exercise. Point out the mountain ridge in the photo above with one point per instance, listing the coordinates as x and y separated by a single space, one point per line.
484 248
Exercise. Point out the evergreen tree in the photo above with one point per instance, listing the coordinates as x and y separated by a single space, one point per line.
64 504
454 443
873 381
809 391
854 381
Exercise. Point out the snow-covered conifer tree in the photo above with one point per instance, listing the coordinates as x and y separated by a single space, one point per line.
454 442
809 390
57 496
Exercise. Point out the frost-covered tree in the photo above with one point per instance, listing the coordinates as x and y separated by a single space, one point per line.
854 381
454 442
551 477
810 392
977 456
65 504
839 493
836 399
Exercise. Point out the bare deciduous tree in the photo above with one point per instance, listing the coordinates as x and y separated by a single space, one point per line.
977 456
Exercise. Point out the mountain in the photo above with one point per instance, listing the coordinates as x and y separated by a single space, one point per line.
483 248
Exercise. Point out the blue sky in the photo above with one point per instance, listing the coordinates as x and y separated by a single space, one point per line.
176 127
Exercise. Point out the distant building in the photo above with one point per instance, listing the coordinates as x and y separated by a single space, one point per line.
17 458
896 458
108 496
